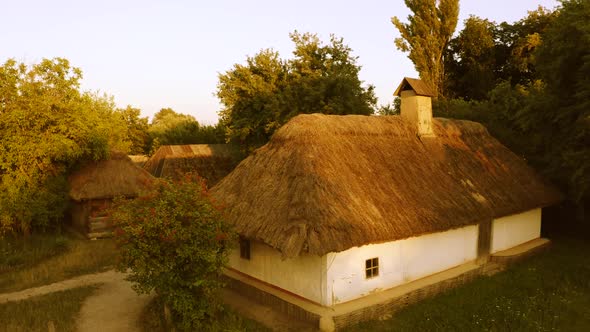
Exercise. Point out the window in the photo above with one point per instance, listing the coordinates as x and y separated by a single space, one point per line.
372 267
244 248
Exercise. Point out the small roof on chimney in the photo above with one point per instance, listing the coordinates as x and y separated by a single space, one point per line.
420 87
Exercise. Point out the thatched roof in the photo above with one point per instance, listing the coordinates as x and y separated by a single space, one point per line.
210 161
327 183
138 159
118 176
419 86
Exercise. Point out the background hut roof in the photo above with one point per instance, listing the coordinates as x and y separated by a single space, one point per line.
118 176
210 161
419 86
138 159
327 183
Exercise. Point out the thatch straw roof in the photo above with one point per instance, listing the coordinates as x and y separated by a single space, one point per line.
419 86
138 159
210 161
118 176
327 183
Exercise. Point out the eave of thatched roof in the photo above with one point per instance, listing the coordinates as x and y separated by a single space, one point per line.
210 161
118 176
328 183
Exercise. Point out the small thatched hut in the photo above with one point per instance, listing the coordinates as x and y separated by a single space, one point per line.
337 207
93 187
210 161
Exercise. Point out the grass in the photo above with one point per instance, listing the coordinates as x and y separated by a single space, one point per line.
153 320
52 312
41 259
549 292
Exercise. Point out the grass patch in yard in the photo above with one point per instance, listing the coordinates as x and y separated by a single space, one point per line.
152 320
41 259
58 309
548 292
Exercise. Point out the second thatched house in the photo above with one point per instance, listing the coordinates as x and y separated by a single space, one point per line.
93 187
335 208
210 161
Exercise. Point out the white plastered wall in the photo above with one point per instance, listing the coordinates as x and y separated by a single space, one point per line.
303 275
399 262
515 229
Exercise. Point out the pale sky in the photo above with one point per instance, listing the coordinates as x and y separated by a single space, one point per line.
154 54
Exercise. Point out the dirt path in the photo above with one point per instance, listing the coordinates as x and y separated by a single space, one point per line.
114 307
85 280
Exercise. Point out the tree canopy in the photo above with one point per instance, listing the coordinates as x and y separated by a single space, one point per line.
260 96
170 128
426 37
47 126
538 101
485 54
174 241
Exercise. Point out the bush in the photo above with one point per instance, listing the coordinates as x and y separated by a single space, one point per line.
174 241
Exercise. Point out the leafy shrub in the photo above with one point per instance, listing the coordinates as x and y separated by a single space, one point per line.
174 241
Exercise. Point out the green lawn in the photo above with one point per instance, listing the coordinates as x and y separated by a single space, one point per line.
57 310
548 292
45 258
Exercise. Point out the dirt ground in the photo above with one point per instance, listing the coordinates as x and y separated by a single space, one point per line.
116 307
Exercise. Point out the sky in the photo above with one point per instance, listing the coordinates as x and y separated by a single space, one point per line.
156 54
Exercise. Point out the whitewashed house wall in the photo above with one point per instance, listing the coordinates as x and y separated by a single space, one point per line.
399 262
515 229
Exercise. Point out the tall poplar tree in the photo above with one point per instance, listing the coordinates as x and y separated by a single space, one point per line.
426 36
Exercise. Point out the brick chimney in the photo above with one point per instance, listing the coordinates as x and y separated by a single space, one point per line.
416 104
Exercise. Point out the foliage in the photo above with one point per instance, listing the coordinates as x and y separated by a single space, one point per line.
51 312
546 293
46 126
262 95
471 61
174 241
539 105
426 37
137 130
170 128
390 109
485 54
564 64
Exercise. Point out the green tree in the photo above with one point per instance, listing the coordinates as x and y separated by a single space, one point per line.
267 91
547 118
137 129
470 62
563 61
485 54
426 37
174 241
47 126
169 127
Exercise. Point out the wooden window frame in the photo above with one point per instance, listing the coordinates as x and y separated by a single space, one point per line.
372 268
245 252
